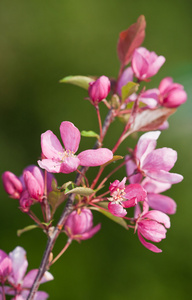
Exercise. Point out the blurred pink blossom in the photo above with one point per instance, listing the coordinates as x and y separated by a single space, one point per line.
146 64
171 94
5 266
126 77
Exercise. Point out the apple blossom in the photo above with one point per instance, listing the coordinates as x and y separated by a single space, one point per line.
60 160
123 196
151 162
151 225
146 64
5 266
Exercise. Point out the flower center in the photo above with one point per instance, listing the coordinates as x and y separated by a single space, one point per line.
118 195
65 154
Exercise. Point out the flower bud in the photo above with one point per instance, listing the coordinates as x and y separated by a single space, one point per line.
99 89
79 225
146 64
126 77
12 184
171 94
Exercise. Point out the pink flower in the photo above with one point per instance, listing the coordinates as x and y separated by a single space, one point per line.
126 77
151 225
21 283
123 196
5 266
151 162
146 64
155 199
99 89
60 160
171 94
79 225
12 185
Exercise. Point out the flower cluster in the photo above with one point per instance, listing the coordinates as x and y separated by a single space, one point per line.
147 168
13 279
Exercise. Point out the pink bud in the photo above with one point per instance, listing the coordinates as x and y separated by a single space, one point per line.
5 266
99 89
79 225
171 94
25 201
126 77
12 184
146 64
34 183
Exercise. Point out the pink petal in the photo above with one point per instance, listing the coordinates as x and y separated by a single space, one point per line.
164 176
165 84
96 157
139 65
155 187
158 216
70 136
154 68
50 165
130 203
90 233
130 169
152 230
146 144
39 295
69 165
31 275
135 190
162 203
50 145
116 209
126 77
160 159
32 185
19 265
148 245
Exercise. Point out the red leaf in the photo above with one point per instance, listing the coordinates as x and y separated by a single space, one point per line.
130 39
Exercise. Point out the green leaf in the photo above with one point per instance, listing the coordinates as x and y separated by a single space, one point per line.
28 228
55 198
117 220
81 81
83 191
129 89
89 133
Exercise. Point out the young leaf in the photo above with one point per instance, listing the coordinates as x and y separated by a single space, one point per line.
129 89
89 133
130 39
27 228
118 220
83 191
115 157
81 81
151 119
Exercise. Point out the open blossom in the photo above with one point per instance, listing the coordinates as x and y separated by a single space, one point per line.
157 201
123 196
79 225
146 64
151 225
63 160
171 94
99 89
21 283
150 162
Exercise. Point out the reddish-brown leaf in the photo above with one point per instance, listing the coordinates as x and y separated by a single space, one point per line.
131 39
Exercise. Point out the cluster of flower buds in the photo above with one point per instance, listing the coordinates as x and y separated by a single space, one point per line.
29 187
13 279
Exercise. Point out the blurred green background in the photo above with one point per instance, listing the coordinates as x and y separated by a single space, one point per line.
44 41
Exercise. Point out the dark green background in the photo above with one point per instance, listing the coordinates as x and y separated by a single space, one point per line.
40 43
